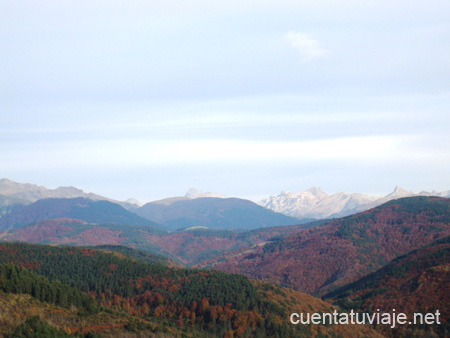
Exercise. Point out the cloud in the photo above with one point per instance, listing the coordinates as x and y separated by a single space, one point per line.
129 153
308 48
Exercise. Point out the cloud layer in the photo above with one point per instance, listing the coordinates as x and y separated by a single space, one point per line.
241 97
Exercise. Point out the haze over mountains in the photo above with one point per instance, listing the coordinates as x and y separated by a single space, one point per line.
214 213
27 192
305 205
26 203
78 208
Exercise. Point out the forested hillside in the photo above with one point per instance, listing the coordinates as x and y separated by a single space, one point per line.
195 303
415 282
346 249
188 247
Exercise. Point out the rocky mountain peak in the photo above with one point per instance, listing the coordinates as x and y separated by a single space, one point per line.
399 191
195 193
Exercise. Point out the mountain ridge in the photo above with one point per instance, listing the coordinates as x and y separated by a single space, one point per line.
32 193
314 203
212 212
74 208
324 257
415 282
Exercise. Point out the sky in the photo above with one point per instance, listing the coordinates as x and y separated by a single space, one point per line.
147 99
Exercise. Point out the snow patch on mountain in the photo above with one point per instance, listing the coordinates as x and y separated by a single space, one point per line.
194 193
314 203
134 201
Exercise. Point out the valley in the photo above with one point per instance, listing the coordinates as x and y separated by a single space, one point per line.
200 266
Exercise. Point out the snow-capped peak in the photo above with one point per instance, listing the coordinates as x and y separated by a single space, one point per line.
314 203
194 193
133 201
399 191
316 191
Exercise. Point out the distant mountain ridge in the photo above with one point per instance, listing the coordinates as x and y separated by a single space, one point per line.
212 212
22 204
314 203
7 203
309 204
195 193
32 193
74 208
191 194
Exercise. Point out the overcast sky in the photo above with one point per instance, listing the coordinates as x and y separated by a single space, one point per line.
146 99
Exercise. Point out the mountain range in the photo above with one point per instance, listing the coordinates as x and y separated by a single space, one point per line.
22 204
213 213
318 259
306 205
75 208
393 254
306 257
314 203
28 193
